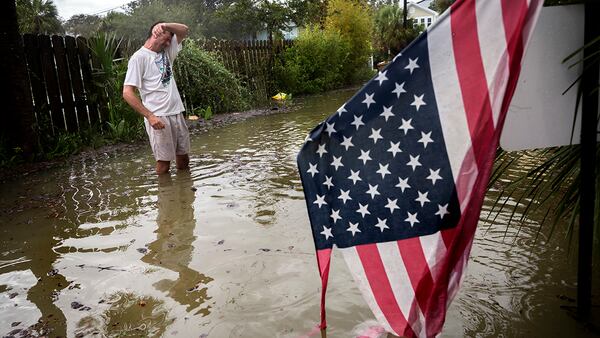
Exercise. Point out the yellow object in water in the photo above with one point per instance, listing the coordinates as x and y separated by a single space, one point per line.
280 96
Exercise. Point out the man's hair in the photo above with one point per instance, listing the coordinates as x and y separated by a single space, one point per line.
152 27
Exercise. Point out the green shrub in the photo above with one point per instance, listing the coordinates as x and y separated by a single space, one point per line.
354 22
314 63
123 124
205 82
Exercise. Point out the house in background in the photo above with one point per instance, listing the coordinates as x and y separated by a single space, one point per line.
290 34
420 12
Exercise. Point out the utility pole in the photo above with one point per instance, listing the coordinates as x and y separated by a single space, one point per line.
589 118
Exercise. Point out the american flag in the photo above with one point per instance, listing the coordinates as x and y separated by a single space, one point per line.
396 177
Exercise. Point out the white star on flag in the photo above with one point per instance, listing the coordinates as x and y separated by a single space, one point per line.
422 198
418 102
363 210
312 170
320 201
381 77
382 224
347 142
341 110
442 210
383 170
354 176
344 195
412 219
394 148
321 150
373 190
412 64
326 232
335 215
425 139
434 175
392 204
353 227
328 182
337 162
387 112
375 135
368 100
402 183
364 156
414 162
399 89
329 130
406 126
357 121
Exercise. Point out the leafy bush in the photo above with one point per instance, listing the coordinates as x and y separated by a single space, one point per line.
205 81
314 63
353 21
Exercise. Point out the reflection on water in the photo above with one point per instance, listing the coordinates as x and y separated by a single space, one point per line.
173 247
102 246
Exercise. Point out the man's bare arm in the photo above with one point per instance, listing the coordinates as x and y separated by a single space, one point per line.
134 101
180 30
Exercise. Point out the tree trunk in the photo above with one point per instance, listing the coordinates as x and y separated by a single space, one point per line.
18 118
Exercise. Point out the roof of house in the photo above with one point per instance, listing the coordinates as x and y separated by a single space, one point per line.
423 4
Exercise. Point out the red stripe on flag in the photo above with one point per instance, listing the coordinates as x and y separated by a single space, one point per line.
471 77
323 260
485 139
418 271
476 101
382 290
513 30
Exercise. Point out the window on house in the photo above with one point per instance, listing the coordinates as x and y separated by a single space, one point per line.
428 22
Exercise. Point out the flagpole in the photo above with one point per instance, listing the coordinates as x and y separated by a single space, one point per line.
588 164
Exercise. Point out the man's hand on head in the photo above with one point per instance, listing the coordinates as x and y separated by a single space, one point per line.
158 30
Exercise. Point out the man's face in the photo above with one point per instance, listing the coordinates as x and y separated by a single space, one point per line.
164 39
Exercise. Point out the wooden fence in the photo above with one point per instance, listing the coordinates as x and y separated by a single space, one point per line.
251 60
66 98
62 87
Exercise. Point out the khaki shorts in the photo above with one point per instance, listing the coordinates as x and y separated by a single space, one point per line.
172 140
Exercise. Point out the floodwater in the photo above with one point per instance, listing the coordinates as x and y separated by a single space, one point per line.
101 247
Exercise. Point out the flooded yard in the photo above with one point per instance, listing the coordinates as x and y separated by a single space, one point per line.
101 246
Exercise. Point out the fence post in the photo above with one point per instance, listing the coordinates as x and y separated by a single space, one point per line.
64 83
19 107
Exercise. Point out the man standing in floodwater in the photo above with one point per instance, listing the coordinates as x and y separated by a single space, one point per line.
150 72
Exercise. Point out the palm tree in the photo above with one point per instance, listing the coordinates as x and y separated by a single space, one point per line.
38 17
390 35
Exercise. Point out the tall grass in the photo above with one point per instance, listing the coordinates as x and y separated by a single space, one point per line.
108 71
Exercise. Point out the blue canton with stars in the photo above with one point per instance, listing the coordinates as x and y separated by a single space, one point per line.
377 170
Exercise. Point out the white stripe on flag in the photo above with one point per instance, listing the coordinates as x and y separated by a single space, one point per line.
401 285
356 268
493 51
434 250
450 105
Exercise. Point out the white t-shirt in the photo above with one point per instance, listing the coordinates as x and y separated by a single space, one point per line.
152 74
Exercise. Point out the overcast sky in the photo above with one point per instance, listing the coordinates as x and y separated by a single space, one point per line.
67 8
